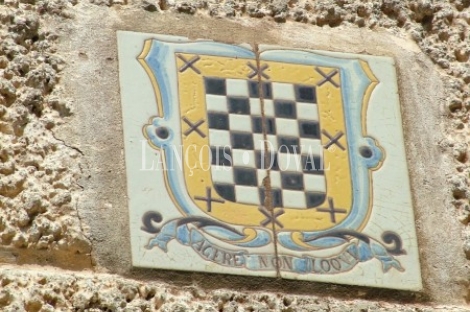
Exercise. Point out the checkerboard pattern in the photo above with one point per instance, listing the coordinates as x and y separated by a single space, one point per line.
239 160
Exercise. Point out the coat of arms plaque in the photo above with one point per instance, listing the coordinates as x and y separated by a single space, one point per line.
262 160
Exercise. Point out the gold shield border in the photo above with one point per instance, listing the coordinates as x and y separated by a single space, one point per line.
191 93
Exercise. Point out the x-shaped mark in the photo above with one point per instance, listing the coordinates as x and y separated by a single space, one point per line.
332 210
208 199
256 72
271 217
194 127
327 77
189 64
333 139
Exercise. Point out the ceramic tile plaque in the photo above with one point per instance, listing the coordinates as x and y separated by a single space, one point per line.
266 161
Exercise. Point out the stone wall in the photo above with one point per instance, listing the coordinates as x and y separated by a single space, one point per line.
51 290
63 213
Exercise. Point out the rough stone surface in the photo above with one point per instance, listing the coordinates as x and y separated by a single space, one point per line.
38 172
54 290
44 178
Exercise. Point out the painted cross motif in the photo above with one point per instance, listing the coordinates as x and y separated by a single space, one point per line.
189 64
271 217
271 162
327 77
193 127
209 199
332 210
255 71
333 140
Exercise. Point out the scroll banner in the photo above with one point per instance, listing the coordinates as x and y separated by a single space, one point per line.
354 251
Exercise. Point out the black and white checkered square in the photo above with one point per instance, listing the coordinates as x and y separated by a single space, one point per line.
240 162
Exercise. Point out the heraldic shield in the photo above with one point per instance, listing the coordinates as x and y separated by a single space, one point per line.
264 146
